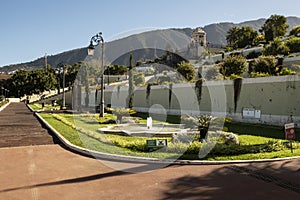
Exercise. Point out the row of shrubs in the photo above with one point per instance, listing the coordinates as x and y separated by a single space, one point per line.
218 149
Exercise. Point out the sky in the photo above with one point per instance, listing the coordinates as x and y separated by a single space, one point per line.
32 28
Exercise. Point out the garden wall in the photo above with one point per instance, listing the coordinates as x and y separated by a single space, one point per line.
268 100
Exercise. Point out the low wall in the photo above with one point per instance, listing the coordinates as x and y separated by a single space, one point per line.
269 100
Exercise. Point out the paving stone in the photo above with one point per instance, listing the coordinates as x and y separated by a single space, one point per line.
19 127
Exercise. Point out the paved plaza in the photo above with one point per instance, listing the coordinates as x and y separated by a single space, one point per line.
35 168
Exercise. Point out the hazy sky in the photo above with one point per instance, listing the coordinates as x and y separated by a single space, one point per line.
32 28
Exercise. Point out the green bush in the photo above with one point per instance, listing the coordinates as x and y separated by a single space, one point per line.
134 145
223 149
232 77
228 138
258 74
235 149
265 64
295 31
2 103
293 44
179 147
276 47
187 70
286 71
233 65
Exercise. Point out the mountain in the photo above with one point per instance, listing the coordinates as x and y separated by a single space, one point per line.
216 33
174 39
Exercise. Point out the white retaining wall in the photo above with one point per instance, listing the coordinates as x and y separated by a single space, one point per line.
276 98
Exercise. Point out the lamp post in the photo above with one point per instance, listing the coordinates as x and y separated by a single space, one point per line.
62 67
95 41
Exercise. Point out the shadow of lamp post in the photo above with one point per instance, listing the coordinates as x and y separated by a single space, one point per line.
95 41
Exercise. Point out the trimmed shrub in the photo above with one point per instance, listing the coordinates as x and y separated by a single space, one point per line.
295 31
265 64
187 70
228 138
276 47
233 65
286 71
258 74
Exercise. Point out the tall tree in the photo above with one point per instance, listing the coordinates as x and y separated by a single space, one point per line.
240 37
275 26
31 82
85 79
232 36
131 83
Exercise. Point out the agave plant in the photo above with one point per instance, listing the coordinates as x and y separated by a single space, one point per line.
204 121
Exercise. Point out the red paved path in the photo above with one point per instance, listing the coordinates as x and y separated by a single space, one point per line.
50 172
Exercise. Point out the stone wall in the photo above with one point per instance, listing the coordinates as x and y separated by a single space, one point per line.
275 99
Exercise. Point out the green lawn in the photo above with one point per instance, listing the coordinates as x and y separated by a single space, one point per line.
81 130
259 130
37 107
96 141
3 103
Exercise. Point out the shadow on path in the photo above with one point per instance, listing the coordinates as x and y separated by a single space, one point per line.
248 181
69 181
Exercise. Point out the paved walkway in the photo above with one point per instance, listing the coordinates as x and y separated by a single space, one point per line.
50 172
19 127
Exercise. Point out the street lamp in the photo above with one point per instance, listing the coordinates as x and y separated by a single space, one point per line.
62 67
95 41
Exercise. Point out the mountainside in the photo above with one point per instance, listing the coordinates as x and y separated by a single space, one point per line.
168 39
216 33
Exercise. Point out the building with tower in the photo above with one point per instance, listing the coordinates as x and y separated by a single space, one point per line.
198 44
199 37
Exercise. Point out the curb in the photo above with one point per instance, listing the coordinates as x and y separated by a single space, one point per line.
134 159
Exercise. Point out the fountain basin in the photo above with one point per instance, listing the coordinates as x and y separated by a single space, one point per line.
157 130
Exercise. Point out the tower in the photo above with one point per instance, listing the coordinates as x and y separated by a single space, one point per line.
199 37
198 43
